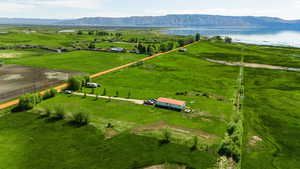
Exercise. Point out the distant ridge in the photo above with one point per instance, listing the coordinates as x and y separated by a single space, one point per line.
165 21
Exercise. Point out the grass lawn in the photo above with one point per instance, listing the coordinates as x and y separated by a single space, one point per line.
28 142
289 57
80 61
272 112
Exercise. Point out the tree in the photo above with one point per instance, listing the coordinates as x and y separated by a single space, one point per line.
228 40
198 37
74 83
28 101
80 33
104 92
92 45
117 93
163 47
129 95
195 143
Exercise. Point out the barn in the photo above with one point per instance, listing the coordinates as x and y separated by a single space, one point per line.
170 104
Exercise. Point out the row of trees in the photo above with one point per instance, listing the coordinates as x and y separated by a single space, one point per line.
29 101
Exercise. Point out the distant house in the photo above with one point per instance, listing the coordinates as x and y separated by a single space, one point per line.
117 49
183 50
170 104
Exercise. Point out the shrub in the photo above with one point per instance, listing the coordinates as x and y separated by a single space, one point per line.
80 118
166 137
195 143
28 101
49 94
59 113
74 83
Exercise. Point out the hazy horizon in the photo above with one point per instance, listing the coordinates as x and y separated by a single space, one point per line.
70 9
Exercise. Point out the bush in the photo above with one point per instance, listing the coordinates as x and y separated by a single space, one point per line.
166 137
49 94
195 143
74 83
80 118
59 113
28 101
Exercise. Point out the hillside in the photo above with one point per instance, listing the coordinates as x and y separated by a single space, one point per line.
166 21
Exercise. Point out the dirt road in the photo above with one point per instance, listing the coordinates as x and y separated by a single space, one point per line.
60 87
253 65
135 101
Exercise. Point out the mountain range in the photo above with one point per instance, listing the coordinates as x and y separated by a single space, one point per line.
164 21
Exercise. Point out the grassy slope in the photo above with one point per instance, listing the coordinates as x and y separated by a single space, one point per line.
28 142
272 112
81 61
254 54
126 115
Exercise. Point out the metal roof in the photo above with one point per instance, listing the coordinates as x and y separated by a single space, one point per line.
171 101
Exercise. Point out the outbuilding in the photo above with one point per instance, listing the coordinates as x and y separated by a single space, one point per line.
170 103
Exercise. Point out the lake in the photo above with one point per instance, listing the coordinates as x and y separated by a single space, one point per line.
276 37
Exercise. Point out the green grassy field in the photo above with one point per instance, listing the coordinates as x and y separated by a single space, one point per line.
272 112
253 54
128 46
22 53
203 84
80 61
27 142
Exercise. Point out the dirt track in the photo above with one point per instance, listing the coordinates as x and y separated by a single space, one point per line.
62 86
253 65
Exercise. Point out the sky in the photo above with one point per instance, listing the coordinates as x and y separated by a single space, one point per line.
66 9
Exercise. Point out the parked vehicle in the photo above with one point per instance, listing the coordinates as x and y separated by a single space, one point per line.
67 92
150 102
92 85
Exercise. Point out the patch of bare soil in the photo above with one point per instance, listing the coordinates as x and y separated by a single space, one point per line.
162 125
11 77
57 75
110 133
166 166
254 140
9 55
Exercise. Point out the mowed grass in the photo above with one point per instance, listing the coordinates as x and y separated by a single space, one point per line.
80 61
280 56
272 112
27 142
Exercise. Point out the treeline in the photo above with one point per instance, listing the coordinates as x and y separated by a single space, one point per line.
29 101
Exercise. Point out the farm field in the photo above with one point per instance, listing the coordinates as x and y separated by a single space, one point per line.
272 112
128 46
279 56
80 61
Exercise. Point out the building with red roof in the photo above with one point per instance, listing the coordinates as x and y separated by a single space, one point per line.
170 103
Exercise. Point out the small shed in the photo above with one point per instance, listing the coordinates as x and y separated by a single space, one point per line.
170 104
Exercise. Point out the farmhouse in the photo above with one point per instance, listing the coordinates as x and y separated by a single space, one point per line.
170 103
